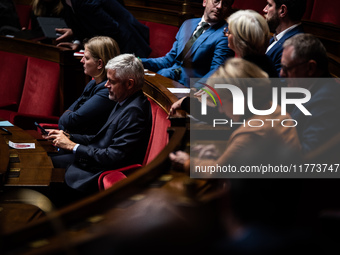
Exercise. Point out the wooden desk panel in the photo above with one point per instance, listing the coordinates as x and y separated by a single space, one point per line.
31 177
4 159
27 167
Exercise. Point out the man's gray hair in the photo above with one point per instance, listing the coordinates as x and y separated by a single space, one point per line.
127 66
308 47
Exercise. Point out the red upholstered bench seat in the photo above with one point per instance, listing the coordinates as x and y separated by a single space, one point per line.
12 77
162 38
29 91
158 140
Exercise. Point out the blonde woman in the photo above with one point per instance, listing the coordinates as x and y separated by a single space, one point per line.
248 35
91 110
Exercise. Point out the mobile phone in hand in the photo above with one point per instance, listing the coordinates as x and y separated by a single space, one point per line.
43 130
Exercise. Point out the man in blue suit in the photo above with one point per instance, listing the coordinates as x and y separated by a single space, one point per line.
284 20
203 56
121 141
304 56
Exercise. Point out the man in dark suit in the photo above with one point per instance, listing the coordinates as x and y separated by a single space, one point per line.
284 20
9 20
202 57
121 141
89 18
304 56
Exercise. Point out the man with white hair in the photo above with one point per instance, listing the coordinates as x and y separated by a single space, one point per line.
121 141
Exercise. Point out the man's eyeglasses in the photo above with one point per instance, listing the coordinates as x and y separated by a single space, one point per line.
285 69
226 31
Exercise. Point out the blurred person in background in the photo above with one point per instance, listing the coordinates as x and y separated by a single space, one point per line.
86 19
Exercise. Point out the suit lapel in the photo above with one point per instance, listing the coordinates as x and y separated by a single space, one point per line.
116 111
188 31
199 41
202 38
275 47
287 35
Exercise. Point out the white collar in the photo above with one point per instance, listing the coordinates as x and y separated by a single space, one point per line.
203 20
280 35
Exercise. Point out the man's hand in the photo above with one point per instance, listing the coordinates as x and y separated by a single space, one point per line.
65 39
180 159
208 151
60 140
66 34
199 93
72 46
176 106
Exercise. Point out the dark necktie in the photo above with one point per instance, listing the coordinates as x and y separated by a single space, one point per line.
188 45
193 38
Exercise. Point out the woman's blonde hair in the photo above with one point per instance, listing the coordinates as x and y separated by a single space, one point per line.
250 32
104 48
39 8
235 68
243 74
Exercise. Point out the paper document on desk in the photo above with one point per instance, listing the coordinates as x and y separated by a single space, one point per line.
6 124
79 53
21 145
179 90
